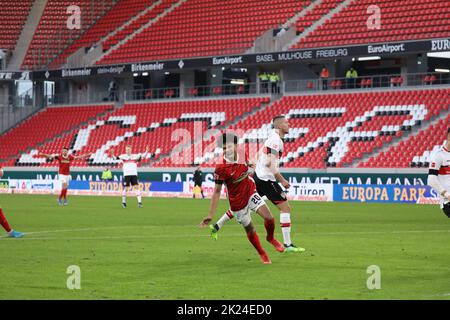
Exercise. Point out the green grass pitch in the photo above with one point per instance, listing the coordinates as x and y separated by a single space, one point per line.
158 252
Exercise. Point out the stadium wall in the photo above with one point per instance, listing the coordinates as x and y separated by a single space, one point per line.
301 175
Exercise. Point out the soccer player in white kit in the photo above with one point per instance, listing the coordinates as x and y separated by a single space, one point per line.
267 178
130 175
439 174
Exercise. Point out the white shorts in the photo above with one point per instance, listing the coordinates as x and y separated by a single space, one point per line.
64 178
243 216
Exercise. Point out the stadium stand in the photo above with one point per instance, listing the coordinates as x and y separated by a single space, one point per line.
146 124
50 38
45 125
414 152
327 130
401 20
116 18
195 28
157 9
205 27
336 130
331 129
13 15
315 14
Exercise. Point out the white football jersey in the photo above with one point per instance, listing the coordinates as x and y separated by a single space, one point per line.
273 144
441 161
129 164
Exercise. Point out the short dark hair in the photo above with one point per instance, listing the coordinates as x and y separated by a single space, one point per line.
227 138
448 131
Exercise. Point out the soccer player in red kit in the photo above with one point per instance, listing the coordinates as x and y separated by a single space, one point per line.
4 222
242 196
64 161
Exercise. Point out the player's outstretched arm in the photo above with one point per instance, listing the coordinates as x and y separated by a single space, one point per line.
44 155
83 156
212 209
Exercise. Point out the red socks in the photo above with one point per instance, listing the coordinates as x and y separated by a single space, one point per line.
270 228
253 238
4 222
63 194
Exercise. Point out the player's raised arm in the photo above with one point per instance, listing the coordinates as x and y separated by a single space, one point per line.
113 155
145 154
213 207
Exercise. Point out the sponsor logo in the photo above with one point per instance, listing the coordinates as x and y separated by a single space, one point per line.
386 48
42 186
438 45
116 70
227 60
265 58
386 193
95 186
25 75
76 73
6 75
332 53
4 184
295 55
308 190
147 67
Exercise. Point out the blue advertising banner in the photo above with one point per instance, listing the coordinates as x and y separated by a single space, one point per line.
166 187
384 193
115 186
78 185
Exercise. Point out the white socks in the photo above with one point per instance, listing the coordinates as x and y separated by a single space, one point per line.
124 195
285 223
226 217
139 197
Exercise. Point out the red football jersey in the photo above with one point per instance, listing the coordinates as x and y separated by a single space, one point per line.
239 184
64 164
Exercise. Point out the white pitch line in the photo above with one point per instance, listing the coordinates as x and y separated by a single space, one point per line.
84 229
196 235
378 232
442 295
193 226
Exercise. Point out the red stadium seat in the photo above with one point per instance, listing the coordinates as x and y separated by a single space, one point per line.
13 15
414 20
